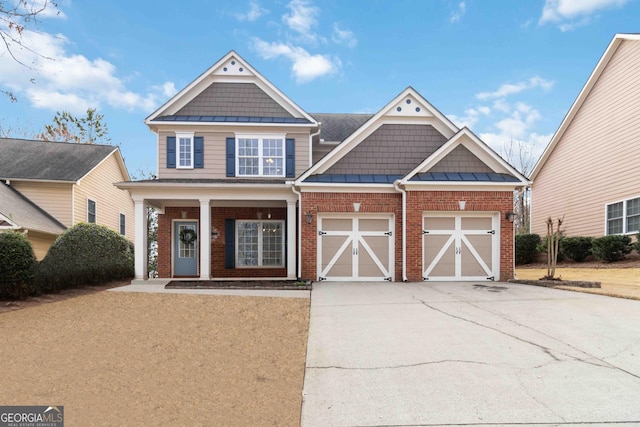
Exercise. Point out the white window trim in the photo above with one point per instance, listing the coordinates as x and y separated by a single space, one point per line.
95 214
261 137
120 216
260 246
184 135
624 217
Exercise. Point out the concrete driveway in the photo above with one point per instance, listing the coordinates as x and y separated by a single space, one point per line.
469 354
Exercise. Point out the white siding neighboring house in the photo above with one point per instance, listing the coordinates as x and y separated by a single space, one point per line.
50 186
590 171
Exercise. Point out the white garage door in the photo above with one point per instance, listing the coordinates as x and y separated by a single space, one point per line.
461 246
355 248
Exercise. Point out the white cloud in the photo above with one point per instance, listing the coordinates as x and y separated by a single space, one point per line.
302 19
560 11
254 12
459 12
305 66
57 79
470 117
343 36
513 88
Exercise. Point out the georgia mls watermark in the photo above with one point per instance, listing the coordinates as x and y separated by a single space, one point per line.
31 416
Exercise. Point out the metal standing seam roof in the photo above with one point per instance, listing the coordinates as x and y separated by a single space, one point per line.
26 214
233 119
354 178
463 177
50 161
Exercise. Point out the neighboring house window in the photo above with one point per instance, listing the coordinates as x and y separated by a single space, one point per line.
184 142
91 211
623 217
260 155
259 243
123 224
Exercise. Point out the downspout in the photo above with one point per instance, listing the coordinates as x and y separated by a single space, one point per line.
396 185
311 145
299 261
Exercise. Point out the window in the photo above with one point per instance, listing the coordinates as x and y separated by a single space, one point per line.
260 155
91 211
123 224
259 243
623 217
185 150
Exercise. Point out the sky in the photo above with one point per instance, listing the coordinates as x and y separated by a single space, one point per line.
509 70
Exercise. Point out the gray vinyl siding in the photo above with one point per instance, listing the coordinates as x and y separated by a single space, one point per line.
215 153
460 160
595 161
391 149
233 99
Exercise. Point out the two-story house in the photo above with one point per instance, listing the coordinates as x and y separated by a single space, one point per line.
251 186
49 186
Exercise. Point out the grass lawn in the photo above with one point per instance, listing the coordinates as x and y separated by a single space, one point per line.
133 359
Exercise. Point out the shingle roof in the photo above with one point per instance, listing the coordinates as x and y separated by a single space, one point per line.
464 176
337 127
232 119
25 213
55 161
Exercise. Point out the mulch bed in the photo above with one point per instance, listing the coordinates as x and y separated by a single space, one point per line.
554 283
289 285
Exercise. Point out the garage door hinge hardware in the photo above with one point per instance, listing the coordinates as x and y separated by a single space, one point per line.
425 279
425 232
491 232
322 278
492 278
388 233
388 279
322 233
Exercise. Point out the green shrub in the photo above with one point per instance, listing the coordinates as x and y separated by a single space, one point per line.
576 248
85 254
542 247
526 247
17 265
611 248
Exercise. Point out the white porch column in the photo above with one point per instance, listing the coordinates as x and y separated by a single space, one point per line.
205 239
140 235
291 240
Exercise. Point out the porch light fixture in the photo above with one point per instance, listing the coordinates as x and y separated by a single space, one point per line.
462 204
309 217
510 216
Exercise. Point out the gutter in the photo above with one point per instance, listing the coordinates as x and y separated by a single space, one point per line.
396 185
299 194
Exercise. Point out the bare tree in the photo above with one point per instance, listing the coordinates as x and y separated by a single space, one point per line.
520 155
82 130
16 17
553 244
152 227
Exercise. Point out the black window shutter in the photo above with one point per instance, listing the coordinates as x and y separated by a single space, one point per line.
171 152
231 157
198 152
229 243
291 158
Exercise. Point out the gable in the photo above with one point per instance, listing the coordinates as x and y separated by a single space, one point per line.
233 99
391 149
460 160
22 212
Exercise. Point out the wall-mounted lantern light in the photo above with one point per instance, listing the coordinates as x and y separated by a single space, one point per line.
309 217
510 216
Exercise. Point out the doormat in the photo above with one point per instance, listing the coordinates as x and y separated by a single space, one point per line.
288 285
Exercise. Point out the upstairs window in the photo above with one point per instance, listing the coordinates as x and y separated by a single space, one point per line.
623 217
91 211
185 150
260 155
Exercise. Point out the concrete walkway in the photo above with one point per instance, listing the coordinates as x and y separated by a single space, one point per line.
469 354
157 286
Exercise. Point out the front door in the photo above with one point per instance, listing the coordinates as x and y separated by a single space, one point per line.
185 249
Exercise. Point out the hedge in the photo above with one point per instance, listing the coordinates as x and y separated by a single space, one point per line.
526 247
576 248
17 265
611 248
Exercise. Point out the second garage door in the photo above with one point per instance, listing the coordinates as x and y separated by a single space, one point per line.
355 248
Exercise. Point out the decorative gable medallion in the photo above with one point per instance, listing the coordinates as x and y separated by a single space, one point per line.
409 106
232 67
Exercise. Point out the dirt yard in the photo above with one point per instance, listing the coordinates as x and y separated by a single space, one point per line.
132 359
619 279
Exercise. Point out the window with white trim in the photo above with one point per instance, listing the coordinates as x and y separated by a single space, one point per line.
259 243
91 211
123 224
184 148
260 155
623 217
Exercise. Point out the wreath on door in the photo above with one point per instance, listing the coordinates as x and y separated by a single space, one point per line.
188 236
